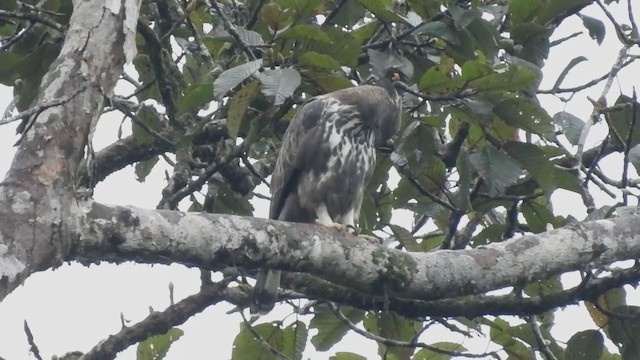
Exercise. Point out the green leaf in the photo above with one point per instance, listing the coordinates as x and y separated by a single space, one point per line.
608 301
440 79
491 233
524 10
405 238
249 37
349 15
382 9
8 5
280 84
538 214
543 287
485 36
553 9
634 157
275 17
306 32
392 326
320 61
157 346
534 41
426 354
195 96
347 356
440 30
463 17
623 119
233 77
585 345
246 346
575 61
482 78
325 83
238 107
330 328
502 333
143 168
295 340
571 126
526 114
148 115
624 331
535 161
497 169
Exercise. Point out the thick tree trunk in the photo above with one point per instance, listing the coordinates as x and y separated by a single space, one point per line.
37 196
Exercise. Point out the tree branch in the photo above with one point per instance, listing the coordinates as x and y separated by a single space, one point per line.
210 241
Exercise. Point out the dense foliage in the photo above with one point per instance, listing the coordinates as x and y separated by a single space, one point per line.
476 160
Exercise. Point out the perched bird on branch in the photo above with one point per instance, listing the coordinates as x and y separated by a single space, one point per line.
327 157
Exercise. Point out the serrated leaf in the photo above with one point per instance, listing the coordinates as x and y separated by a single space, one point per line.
497 169
157 346
571 126
143 168
233 77
195 96
330 328
317 60
585 345
280 84
426 354
526 114
238 107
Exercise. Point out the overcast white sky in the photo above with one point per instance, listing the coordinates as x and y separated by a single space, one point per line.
74 307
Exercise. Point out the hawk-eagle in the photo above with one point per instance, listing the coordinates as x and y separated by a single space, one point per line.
328 154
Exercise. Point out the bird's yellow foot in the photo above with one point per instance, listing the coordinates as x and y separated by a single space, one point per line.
332 225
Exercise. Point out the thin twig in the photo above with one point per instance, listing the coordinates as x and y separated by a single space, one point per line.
399 343
19 15
542 343
32 345
35 110
258 337
232 30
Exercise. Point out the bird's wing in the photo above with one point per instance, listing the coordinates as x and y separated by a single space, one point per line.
294 153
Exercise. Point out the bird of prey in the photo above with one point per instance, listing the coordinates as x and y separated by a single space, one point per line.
327 156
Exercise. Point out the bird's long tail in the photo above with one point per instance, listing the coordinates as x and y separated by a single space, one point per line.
265 292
